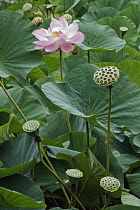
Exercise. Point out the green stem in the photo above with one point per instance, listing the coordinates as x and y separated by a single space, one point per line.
59 180
109 3
108 132
83 187
68 122
88 56
87 132
61 67
52 170
64 6
123 54
42 11
12 100
5 5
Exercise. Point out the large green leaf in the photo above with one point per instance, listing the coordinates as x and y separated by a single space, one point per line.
134 183
81 96
128 161
123 207
99 150
100 13
133 13
100 38
30 100
122 21
18 156
44 178
129 199
11 198
77 140
21 208
104 3
131 69
92 170
65 6
17 53
22 185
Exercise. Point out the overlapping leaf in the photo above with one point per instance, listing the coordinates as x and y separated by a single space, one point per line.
18 156
81 96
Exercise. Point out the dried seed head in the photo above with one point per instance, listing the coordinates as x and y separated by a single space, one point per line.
31 125
110 183
106 76
67 17
37 20
27 7
76 173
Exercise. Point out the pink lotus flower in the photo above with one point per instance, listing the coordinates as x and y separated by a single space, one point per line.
59 35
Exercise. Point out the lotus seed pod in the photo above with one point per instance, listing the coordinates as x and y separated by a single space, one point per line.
27 7
110 183
37 20
31 125
67 17
106 76
76 173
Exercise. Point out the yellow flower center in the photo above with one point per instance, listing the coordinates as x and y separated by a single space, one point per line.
55 34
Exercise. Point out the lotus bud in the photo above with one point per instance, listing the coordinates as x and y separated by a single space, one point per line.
31 127
76 173
110 183
106 76
37 20
67 17
27 7
123 31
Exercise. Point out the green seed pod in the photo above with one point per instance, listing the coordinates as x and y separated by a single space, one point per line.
76 173
27 7
31 127
110 183
106 76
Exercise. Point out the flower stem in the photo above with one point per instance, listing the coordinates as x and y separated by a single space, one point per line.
61 67
64 6
108 132
51 169
12 100
87 132
88 56
68 122
57 177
